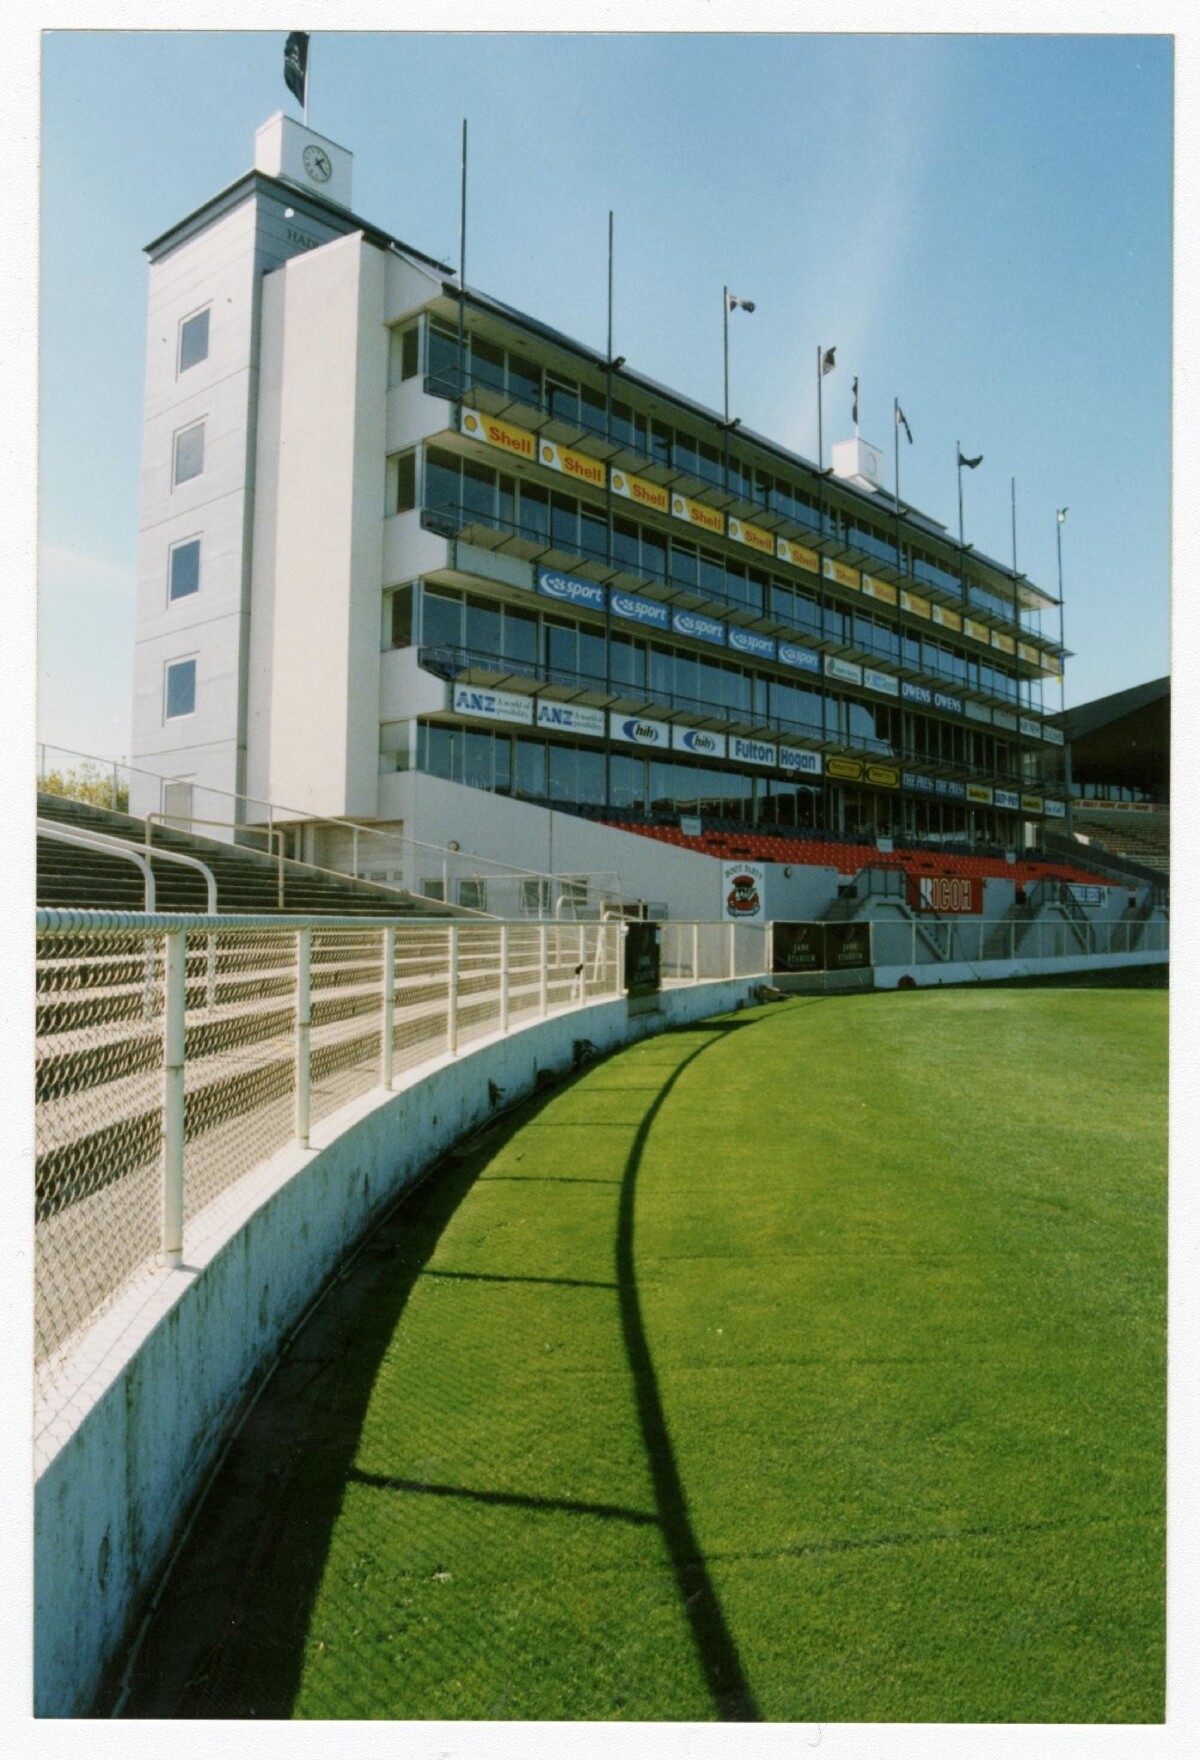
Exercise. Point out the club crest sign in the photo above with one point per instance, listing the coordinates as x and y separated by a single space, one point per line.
742 892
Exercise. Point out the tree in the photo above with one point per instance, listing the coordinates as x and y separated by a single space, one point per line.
98 788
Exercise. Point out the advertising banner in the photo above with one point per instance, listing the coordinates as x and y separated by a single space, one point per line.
846 670
1032 803
799 761
884 591
881 775
977 711
742 892
954 791
570 589
571 718
978 632
841 572
1002 718
919 784
1053 735
803 659
748 641
643 959
914 603
947 618
799 555
949 705
696 513
701 629
639 610
473 699
752 751
699 742
490 429
847 945
571 463
1031 729
753 536
639 490
1004 797
883 682
1006 644
635 730
798 947
1033 655
977 793
845 769
1055 809
917 693
949 895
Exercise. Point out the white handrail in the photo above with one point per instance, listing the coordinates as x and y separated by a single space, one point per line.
81 840
84 835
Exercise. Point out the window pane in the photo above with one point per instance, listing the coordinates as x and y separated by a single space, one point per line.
563 780
524 379
441 625
441 479
443 351
535 511
189 453
402 616
479 488
406 482
185 570
487 362
520 637
409 352
181 689
193 341
591 653
590 774
483 626
531 768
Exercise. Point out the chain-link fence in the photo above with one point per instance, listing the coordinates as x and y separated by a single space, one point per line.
175 1057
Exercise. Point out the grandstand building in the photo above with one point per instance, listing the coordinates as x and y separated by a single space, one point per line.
413 558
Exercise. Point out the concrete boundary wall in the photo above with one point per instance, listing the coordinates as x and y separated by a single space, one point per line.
996 970
146 1399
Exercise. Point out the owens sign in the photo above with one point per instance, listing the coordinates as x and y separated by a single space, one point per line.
950 895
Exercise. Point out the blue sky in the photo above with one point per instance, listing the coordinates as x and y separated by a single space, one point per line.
980 224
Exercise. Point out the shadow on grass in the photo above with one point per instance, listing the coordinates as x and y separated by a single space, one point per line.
231 1626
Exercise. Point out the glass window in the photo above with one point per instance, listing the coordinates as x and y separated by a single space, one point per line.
590 776
193 341
593 533
712 575
627 776
410 351
591 653
535 512
660 443
685 564
662 669
524 379
406 482
189 453
531 768
594 409
501 763
628 660
520 637
560 645
181 689
441 620
564 523
626 548
478 759
443 355
400 617
442 479
479 488
563 773
487 362
184 570
483 626
563 399
654 554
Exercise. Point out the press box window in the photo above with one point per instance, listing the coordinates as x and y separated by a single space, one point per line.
189 453
184 570
181 689
193 341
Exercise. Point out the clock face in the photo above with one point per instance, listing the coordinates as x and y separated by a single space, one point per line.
316 163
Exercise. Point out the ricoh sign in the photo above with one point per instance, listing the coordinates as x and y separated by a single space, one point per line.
946 895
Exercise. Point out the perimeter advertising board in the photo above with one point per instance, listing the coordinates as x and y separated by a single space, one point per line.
643 959
820 947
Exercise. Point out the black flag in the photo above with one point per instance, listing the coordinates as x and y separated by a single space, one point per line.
295 64
970 463
902 422
827 361
854 413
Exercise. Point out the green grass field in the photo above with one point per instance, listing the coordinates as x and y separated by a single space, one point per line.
805 1365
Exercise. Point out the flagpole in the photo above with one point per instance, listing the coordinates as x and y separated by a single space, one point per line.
958 455
820 421
1017 661
462 271
725 326
1062 675
307 79
608 536
899 570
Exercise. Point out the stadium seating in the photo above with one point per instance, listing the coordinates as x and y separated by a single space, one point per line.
850 858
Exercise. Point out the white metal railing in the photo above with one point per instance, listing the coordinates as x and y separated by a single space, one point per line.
976 941
176 1053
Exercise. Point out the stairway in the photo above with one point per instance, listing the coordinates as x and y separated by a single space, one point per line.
74 878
